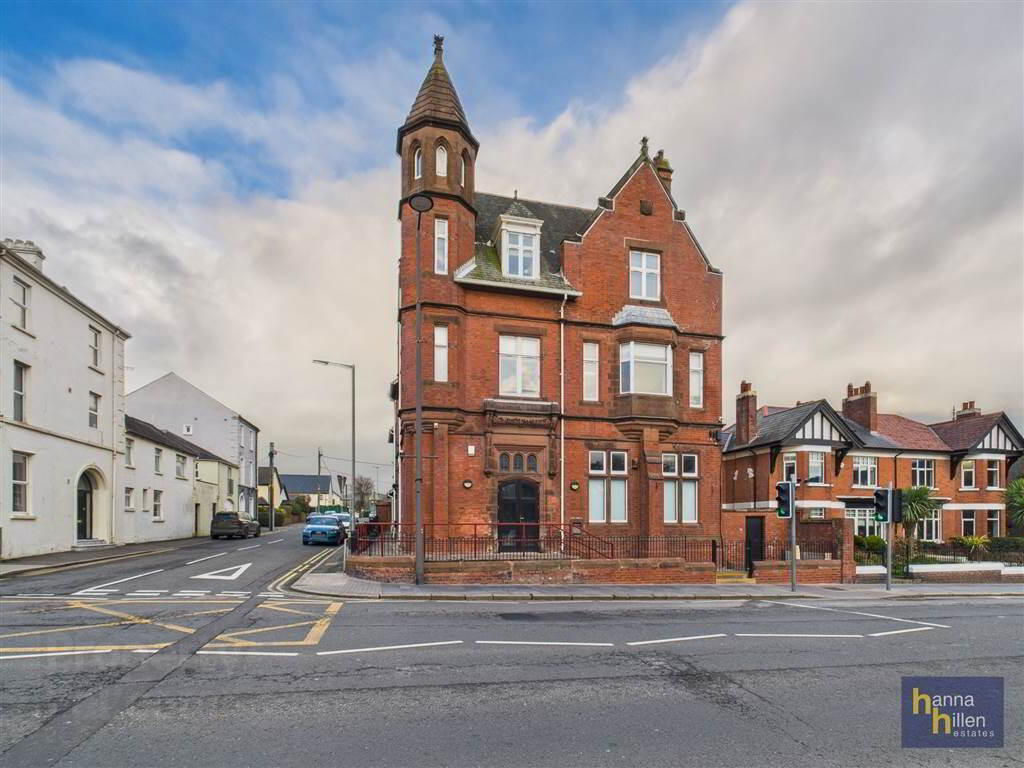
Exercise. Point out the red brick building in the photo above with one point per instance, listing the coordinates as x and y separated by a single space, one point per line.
840 458
572 356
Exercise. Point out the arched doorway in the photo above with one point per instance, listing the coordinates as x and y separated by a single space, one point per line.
518 516
84 507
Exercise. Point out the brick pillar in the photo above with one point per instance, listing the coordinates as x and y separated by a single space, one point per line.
849 567
439 477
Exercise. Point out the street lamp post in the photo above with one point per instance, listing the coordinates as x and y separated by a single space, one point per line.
352 368
421 204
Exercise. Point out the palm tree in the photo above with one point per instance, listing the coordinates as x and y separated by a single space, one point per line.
1014 498
918 504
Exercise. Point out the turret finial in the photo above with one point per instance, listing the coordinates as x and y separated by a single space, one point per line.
643 146
438 45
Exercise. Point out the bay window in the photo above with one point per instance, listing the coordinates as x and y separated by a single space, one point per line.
519 366
789 466
816 467
967 474
928 528
967 521
993 523
645 369
992 469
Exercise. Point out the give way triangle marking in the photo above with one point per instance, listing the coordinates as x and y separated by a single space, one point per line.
227 574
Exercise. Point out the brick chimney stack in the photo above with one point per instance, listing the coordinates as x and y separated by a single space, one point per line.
746 413
861 405
27 250
968 409
664 169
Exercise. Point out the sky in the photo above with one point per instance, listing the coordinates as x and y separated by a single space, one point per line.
221 180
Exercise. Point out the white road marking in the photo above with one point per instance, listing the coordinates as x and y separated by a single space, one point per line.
52 653
193 562
250 547
389 647
861 613
900 631
275 541
225 574
36 594
145 650
674 639
192 592
540 642
99 587
233 594
784 634
249 653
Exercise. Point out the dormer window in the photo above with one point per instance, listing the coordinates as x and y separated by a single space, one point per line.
521 254
518 238
441 161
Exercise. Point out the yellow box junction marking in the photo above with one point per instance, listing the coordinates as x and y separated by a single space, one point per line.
317 628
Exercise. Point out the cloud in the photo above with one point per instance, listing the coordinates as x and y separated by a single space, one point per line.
855 170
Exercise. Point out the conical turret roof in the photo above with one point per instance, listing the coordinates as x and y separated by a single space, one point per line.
437 101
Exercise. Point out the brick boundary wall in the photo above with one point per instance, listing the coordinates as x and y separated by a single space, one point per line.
967 577
624 571
807 571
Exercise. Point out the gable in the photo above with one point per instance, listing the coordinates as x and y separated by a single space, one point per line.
998 439
820 426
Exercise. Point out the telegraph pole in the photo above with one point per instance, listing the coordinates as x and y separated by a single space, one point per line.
319 457
270 485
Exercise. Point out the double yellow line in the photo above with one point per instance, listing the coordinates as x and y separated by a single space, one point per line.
303 567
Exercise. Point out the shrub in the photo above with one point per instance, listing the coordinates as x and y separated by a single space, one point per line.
1007 544
874 544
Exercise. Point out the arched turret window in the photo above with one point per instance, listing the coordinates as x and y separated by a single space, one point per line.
531 463
517 463
417 164
462 171
441 161
503 462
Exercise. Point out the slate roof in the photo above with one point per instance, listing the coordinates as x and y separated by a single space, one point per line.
631 313
560 222
775 424
308 483
263 476
154 434
868 438
909 434
964 433
437 100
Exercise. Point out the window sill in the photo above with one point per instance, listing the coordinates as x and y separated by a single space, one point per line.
641 298
23 330
129 466
818 485
158 520
94 369
994 488
645 394
864 487
180 477
973 488
22 516
127 509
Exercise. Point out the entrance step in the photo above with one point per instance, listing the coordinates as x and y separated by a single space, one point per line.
88 545
733 577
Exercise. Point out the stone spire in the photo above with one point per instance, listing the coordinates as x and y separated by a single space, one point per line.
437 102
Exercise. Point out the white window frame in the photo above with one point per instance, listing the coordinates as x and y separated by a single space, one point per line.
991 465
815 457
513 240
787 460
181 466
973 519
417 163
145 499
930 528
968 466
94 410
441 353
441 161
644 271
158 504
591 371
696 379
23 483
922 469
158 458
627 367
440 246
992 515
95 346
683 471
23 302
462 171
669 464
129 499
864 520
865 465
605 482
817 513
519 358
19 409
129 450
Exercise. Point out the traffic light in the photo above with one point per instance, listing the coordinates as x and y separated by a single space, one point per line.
784 498
897 506
882 505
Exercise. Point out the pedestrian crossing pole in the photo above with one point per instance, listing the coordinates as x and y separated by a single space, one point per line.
888 541
270 486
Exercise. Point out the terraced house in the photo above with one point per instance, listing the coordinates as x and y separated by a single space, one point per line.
839 458
572 354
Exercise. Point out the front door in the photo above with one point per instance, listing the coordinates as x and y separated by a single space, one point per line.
754 549
83 517
518 516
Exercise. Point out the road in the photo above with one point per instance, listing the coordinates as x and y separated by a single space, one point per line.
272 678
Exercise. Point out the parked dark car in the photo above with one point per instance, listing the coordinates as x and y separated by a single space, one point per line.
231 524
323 529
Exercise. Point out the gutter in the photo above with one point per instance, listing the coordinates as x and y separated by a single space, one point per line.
561 412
